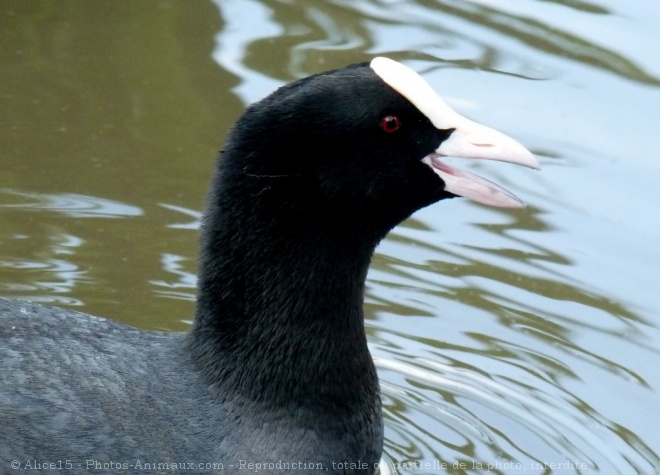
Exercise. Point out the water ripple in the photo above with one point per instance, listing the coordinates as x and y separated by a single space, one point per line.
74 205
455 406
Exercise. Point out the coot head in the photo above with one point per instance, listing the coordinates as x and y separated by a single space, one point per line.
362 144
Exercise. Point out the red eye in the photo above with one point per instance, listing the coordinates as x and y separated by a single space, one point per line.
390 124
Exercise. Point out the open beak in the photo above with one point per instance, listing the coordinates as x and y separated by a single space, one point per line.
475 141
468 139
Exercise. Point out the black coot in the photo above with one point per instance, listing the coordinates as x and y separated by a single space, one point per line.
275 370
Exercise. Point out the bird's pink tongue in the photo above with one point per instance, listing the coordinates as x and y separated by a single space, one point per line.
462 183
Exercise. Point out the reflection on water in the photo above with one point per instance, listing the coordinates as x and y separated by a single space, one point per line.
184 284
53 278
506 341
75 206
509 369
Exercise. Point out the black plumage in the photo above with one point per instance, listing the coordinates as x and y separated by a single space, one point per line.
275 368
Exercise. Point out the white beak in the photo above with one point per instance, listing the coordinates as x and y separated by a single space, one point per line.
468 139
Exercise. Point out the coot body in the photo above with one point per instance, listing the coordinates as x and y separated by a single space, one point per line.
275 374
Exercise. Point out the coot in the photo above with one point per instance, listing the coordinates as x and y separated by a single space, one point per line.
275 374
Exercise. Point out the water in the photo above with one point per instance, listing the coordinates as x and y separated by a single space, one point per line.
506 341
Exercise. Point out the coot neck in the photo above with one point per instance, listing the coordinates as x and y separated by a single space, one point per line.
279 316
